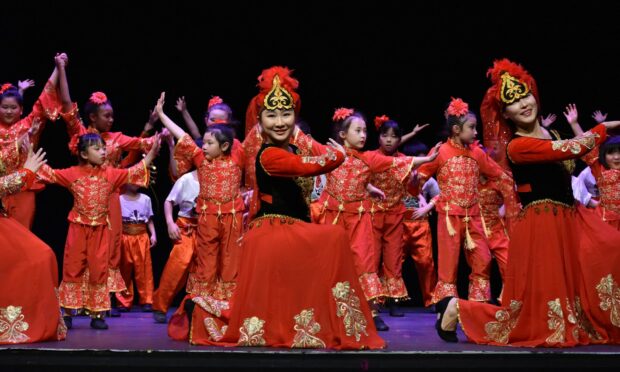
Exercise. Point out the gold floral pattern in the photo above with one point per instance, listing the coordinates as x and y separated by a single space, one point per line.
458 179
609 294
211 305
215 333
372 286
251 333
507 319
556 322
306 328
12 325
578 317
609 187
320 159
348 308
479 290
12 183
442 290
347 183
576 145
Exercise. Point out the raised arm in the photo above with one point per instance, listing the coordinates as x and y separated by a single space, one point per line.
571 115
187 118
176 131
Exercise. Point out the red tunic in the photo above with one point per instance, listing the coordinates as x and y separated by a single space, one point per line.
608 183
29 309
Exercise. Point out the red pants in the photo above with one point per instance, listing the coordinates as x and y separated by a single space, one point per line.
21 207
366 258
85 268
136 264
498 244
417 242
218 251
175 272
388 237
478 259
115 279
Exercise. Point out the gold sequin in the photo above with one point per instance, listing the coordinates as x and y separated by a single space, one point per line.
12 325
251 333
499 331
306 328
348 308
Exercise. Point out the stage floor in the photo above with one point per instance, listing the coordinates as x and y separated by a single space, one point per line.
135 340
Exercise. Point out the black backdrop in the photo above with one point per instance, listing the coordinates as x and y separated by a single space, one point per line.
404 59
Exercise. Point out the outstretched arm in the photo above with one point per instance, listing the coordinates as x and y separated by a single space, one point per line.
187 118
571 116
413 133
165 120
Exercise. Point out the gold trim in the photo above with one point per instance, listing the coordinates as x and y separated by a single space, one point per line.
278 97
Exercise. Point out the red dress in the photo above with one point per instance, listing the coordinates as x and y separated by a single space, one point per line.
21 206
297 286
608 182
29 309
560 287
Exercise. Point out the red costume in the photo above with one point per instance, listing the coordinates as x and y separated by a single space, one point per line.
116 143
297 284
220 207
560 286
87 250
346 203
21 206
495 232
29 309
608 182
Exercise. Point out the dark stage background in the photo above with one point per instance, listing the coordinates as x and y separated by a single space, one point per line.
404 59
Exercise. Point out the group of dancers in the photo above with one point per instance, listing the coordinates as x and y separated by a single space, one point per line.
282 241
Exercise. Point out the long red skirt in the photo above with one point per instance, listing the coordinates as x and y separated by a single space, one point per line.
560 287
297 287
29 308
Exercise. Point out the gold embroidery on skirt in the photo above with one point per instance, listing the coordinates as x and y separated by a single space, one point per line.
12 325
507 319
556 322
306 328
251 334
609 294
582 321
348 307
215 333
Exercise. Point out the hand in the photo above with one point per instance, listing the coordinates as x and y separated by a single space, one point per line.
153 117
375 192
34 127
418 128
174 232
571 114
34 161
247 197
167 136
159 106
422 211
598 116
22 85
331 142
181 105
547 121
434 153
153 240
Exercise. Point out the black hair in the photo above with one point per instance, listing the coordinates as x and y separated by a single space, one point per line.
452 120
612 144
222 133
220 106
415 148
304 127
12 92
391 124
87 140
93 108
343 125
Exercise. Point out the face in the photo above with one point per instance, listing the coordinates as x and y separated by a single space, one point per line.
613 159
10 110
103 119
389 141
355 136
95 154
211 147
216 116
277 125
523 112
467 133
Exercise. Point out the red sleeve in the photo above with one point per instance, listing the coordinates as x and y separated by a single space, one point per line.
281 163
75 126
138 174
187 155
135 143
504 182
527 150
237 153
47 107
62 177
426 171
134 155
16 182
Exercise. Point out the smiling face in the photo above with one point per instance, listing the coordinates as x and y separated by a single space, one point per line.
523 113
355 136
277 125
612 157
10 110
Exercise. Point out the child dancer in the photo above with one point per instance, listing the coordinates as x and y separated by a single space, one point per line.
183 233
138 238
85 268
347 203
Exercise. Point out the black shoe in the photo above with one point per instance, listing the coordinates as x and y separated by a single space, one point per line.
114 313
395 310
189 310
68 321
441 306
380 324
98 323
147 308
159 316
123 309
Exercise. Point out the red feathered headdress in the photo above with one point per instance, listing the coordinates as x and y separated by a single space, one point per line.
511 82
457 107
5 87
215 100
380 120
98 98
276 91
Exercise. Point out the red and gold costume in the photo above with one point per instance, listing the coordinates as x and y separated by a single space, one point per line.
387 223
87 249
417 242
29 309
608 182
346 203
495 231
458 168
220 223
116 143
297 286
21 206
560 286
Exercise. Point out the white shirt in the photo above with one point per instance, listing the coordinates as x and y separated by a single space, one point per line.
184 194
136 211
584 186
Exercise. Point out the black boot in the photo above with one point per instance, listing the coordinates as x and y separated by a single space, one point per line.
441 306
159 316
189 310
380 324
98 323
68 321
395 310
